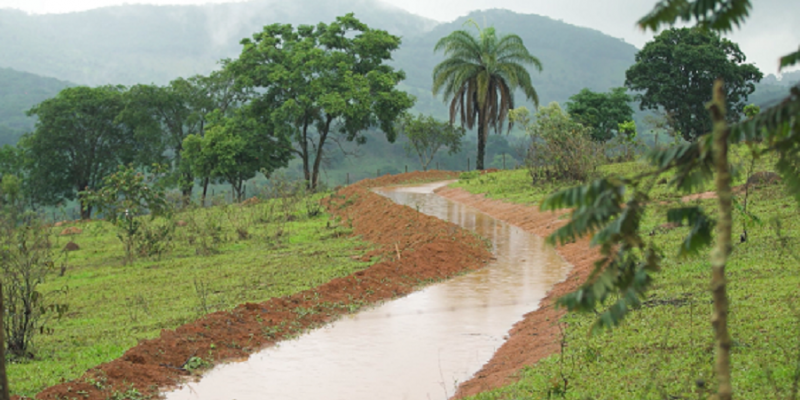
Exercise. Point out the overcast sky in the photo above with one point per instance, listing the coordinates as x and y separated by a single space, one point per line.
772 30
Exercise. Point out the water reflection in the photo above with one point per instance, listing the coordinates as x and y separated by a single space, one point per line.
416 347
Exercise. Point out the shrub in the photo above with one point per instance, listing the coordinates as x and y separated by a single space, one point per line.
26 260
560 149
126 195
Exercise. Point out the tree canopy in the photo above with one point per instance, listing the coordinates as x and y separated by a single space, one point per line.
479 76
675 71
321 83
234 149
78 141
426 136
602 112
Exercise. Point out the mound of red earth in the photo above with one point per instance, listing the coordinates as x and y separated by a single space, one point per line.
413 249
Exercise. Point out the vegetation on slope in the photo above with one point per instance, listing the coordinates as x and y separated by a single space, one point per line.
664 349
214 259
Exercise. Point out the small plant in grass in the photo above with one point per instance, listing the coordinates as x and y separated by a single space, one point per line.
26 261
195 363
205 231
465 176
154 239
126 195
131 394
625 146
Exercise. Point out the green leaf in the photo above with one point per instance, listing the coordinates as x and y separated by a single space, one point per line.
701 225
790 59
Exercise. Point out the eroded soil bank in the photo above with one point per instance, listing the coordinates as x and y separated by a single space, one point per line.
537 335
412 249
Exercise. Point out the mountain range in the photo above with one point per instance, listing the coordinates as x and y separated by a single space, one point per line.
132 44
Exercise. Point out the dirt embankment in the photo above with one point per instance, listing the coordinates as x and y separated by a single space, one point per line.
412 248
537 335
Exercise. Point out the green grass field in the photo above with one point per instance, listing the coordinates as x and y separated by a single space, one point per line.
209 267
664 350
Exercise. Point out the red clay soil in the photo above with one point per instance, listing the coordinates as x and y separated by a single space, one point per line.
413 249
537 335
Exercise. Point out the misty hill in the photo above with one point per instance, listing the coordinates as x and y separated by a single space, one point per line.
19 91
771 90
154 44
132 44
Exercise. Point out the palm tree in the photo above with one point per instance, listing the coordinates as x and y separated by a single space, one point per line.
480 74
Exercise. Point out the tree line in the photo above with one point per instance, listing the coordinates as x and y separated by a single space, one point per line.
291 92
299 91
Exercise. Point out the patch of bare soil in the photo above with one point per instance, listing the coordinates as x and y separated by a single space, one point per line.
537 335
412 248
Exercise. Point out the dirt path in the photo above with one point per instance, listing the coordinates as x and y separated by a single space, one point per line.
440 250
537 335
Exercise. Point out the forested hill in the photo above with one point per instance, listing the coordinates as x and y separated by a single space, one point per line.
154 44
19 91
573 57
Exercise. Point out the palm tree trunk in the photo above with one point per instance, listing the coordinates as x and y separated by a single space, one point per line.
481 146
719 256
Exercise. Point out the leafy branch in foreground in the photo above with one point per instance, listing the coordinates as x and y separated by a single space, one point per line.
610 209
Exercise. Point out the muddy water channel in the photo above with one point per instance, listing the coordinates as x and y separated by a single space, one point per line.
416 347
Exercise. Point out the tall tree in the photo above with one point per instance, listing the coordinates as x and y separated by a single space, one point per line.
426 136
479 76
178 110
78 141
676 70
602 112
235 148
316 82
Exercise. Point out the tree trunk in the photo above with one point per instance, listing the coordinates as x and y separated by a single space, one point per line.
205 191
481 145
305 156
186 191
318 157
722 248
3 376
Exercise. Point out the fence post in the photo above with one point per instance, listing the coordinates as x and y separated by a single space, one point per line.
504 160
406 168
348 179
467 164
3 377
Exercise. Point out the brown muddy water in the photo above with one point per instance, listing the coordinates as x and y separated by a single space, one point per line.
416 347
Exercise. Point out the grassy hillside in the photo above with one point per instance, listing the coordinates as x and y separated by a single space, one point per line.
215 259
19 91
665 348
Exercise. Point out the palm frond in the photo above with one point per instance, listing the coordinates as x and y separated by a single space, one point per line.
714 15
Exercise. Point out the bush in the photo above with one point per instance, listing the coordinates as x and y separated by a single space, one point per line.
26 260
126 195
560 149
